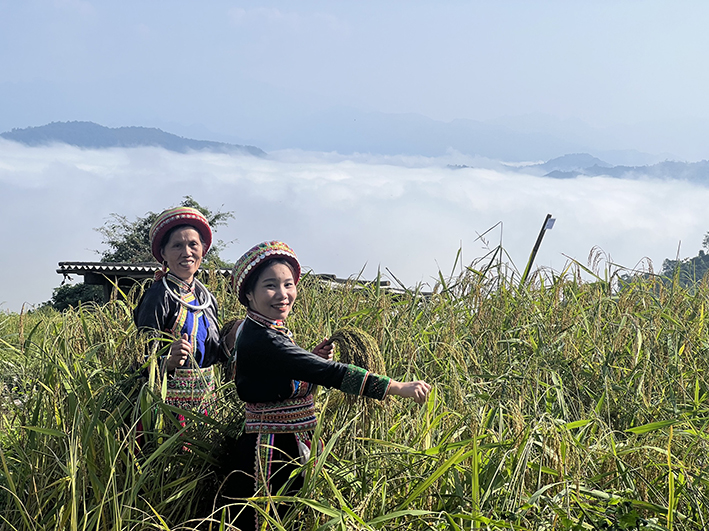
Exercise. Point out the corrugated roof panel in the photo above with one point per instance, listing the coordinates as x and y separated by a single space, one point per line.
80 268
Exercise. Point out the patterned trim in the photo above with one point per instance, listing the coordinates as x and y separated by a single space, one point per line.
192 390
279 325
361 382
247 264
180 321
265 443
173 217
299 389
378 387
287 416
264 459
354 380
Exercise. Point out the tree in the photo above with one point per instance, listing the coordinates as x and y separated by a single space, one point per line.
689 270
71 296
129 241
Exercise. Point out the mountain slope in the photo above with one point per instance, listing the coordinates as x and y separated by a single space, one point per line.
697 172
91 135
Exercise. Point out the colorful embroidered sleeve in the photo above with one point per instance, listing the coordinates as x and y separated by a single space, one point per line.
359 381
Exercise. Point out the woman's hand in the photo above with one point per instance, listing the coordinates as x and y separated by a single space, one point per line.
417 390
179 352
324 349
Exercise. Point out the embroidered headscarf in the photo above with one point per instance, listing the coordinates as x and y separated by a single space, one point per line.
251 259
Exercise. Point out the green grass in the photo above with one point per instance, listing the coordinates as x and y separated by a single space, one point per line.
560 405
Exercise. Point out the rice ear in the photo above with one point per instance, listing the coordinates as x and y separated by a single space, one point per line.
357 347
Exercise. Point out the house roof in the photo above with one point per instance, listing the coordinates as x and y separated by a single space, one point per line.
147 270
108 273
117 269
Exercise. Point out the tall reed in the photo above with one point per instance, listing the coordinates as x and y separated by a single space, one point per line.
561 404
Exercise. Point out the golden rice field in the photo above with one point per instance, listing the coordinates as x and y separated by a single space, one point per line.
564 404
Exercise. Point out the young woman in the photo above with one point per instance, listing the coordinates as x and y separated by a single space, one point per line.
276 378
179 309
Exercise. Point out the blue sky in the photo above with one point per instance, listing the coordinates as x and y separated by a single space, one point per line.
634 71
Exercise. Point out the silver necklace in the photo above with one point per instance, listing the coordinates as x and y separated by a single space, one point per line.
187 305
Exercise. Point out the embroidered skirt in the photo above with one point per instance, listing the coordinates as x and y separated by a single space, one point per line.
192 390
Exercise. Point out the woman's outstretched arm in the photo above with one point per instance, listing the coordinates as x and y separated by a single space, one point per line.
417 390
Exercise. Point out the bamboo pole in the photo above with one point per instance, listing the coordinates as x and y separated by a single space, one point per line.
535 249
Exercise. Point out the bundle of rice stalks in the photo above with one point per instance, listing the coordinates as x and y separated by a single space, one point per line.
358 348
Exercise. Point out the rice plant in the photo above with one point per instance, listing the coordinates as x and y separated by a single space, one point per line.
561 404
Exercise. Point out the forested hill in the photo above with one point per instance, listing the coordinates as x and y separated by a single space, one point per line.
91 135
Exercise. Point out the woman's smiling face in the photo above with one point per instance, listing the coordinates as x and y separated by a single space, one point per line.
274 292
183 253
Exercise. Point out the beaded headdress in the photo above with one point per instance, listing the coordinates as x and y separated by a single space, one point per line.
251 259
174 217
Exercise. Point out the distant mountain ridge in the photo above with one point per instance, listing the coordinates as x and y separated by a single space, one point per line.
572 165
583 164
95 136
573 162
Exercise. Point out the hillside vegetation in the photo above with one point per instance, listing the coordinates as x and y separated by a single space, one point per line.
563 405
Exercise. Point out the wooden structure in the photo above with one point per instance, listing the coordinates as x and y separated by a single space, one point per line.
117 278
114 277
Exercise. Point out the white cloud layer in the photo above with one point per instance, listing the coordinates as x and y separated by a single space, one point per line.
408 214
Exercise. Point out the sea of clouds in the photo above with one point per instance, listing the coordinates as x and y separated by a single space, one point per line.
342 214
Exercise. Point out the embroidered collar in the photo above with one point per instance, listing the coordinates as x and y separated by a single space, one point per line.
187 293
278 325
179 283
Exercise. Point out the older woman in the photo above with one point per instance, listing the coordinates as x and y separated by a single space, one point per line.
276 378
178 308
